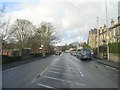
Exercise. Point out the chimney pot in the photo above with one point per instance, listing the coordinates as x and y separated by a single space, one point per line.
118 19
112 22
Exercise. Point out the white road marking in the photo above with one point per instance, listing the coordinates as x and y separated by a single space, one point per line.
56 66
112 68
55 69
55 78
45 85
61 54
58 69
75 58
47 68
80 84
44 71
77 69
63 73
81 74
63 80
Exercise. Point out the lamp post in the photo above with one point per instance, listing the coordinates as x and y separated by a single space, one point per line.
97 39
108 37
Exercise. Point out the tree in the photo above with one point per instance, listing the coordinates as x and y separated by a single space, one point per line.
85 45
45 35
23 31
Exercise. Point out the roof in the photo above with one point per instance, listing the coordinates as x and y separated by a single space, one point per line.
116 25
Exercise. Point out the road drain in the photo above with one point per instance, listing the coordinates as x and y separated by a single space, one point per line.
96 66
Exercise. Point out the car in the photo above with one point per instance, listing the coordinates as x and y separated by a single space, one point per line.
77 54
84 54
72 52
57 52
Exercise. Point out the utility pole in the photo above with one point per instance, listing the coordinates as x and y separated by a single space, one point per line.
108 38
97 38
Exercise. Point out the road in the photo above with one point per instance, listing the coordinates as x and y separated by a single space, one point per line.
64 71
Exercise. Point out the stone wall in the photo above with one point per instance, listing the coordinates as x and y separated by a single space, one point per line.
114 57
100 55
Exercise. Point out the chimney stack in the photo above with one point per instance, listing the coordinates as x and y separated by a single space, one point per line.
112 23
104 27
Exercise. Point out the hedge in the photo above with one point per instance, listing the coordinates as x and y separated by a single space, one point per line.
114 47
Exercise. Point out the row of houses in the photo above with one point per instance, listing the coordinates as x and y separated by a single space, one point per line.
102 36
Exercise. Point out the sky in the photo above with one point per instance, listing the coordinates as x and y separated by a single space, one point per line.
73 19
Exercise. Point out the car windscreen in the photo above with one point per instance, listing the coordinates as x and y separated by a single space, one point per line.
85 51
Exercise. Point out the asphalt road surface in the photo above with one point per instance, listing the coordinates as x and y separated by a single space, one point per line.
64 71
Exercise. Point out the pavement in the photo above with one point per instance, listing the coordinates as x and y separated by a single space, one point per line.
60 71
115 65
17 63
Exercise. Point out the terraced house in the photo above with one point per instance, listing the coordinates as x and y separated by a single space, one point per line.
112 36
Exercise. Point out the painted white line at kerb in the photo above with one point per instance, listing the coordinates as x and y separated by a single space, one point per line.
45 85
112 68
44 71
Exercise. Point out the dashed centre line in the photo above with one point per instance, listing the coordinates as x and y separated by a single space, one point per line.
77 69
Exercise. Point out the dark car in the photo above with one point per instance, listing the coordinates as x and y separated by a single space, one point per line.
57 52
84 54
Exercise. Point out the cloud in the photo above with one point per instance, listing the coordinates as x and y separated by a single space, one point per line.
72 20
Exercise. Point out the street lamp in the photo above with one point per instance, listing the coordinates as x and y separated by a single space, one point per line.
42 46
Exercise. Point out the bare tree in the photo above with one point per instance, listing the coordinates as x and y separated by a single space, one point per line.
23 31
5 33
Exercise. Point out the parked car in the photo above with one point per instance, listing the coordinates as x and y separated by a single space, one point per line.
74 53
77 54
84 54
